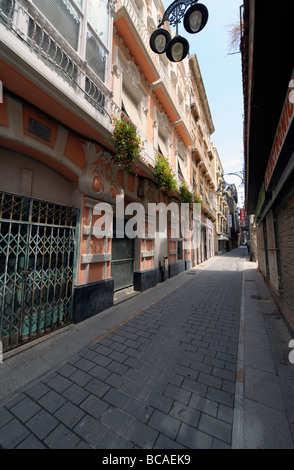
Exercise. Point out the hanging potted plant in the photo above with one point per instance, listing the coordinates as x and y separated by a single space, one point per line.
164 175
128 144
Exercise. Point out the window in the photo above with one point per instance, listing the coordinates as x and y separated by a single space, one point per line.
98 18
64 17
95 55
84 24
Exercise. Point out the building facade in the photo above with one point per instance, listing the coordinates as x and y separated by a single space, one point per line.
70 70
203 162
269 143
222 210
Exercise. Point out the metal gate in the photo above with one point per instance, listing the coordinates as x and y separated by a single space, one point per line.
37 252
122 263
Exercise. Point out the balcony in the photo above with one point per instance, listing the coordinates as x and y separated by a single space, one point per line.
207 210
130 26
34 54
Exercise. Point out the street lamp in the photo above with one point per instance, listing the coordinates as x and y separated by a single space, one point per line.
195 19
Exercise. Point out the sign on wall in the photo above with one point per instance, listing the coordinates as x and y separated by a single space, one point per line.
281 134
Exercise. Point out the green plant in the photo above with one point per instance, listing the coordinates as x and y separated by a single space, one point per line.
186 194
197 199
128 144
164 175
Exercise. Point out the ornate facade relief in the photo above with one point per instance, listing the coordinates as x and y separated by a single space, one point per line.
99 177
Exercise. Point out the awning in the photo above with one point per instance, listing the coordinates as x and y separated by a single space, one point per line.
222 237
131 107
183 168
162 146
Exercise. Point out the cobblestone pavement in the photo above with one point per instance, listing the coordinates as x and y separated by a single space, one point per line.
165 379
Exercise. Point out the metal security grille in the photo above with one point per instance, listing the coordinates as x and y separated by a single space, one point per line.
122 264
37 252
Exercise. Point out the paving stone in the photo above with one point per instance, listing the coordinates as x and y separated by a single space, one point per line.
84 364
225 413
118 356
119 338
134 363
80 377
159 401
12 434
37 390
116 419
100 372
215 427
66 370
13 401
52 401
224 374
203 404
88 354
42 424
94 406
139 410
59 383
193 438
97 387
164 442
62 438
5 417
76 394
111 440
117 381
116 398
154 384
69 414
117 367
177 393
25 409
141 435
90 430
195 387
164 423
220 396
31 442
209 380
219 445
101 360
186 414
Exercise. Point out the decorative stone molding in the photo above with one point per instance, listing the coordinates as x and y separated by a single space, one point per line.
98 179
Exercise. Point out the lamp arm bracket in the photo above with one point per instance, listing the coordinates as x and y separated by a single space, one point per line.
176 11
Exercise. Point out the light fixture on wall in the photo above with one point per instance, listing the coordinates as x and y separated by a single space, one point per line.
195 19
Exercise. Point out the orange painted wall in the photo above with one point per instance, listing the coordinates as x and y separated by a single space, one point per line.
74 150
97 245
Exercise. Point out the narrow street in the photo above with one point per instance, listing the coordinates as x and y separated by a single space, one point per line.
163 377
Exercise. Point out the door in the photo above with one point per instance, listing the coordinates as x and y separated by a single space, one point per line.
37 253
122 263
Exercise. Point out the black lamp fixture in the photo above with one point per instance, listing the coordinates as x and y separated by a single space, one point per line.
195 18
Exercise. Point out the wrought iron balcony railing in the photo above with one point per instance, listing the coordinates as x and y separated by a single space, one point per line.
30 27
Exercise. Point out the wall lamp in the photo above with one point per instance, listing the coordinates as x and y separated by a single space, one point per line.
195 18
